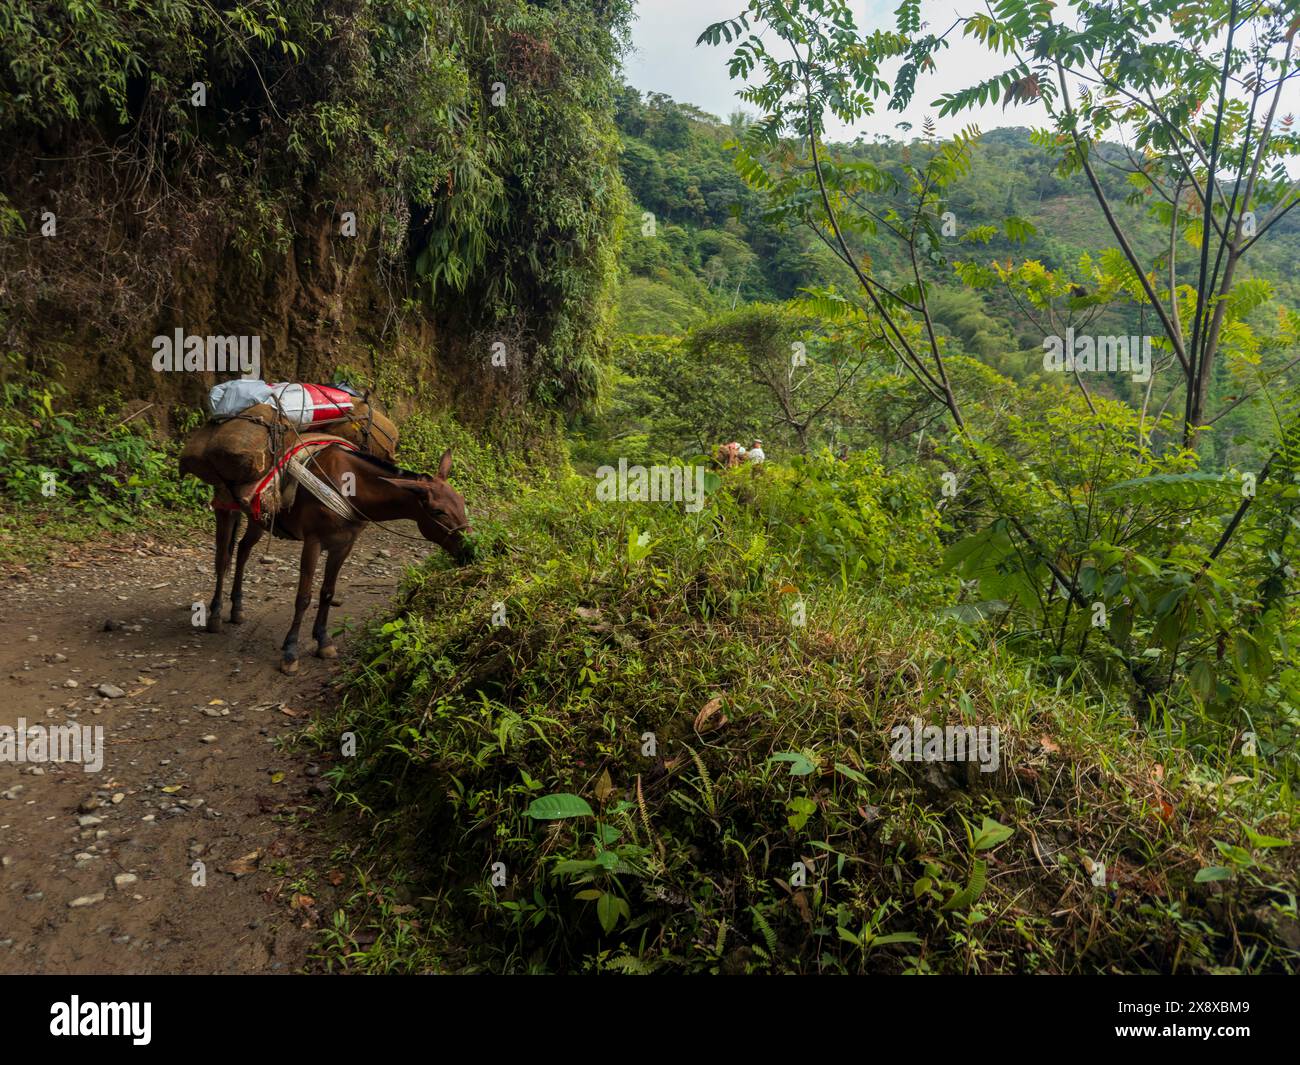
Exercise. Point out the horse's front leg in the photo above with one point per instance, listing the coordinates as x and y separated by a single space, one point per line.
306 574
227 530
255 530
324 642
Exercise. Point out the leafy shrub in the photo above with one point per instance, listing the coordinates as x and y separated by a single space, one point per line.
83 460
610 746
855 520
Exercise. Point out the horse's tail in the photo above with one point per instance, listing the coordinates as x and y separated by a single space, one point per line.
234 531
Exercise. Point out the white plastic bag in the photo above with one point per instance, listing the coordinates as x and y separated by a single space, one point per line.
231 397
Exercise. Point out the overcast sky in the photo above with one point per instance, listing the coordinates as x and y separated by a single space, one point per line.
666 59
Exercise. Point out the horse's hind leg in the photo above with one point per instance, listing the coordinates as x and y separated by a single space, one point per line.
320 630
251 537
227 531
306 574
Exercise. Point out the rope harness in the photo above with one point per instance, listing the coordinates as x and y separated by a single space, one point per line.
326 493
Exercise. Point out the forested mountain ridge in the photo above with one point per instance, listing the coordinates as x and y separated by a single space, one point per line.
699 243
716 250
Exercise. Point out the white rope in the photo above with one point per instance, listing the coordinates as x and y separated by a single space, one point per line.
322 491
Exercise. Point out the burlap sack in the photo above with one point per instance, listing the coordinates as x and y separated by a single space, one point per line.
238 450
194 455
369 430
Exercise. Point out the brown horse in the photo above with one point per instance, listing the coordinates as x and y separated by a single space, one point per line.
381 492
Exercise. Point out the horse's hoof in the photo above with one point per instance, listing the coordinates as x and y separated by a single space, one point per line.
236 618
289 666
214 623
328 651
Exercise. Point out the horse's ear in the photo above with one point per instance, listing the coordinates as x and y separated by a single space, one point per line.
418 487
444 464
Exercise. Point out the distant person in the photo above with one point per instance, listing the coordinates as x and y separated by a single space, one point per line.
755 454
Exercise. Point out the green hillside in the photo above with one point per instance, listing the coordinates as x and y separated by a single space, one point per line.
716 248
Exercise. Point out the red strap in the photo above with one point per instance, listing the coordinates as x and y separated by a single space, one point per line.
256 506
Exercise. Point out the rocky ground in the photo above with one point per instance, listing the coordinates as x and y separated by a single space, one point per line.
193 848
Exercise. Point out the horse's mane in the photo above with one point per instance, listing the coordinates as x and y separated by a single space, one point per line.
387 466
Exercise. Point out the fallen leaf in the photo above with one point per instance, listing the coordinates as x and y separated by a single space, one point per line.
172 789
604 787
1048 745
1038 851
245 865
710 716
276 778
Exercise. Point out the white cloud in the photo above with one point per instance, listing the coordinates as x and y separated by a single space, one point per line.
667 60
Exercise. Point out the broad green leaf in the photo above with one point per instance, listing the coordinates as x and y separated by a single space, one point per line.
800 764
554 807
991 833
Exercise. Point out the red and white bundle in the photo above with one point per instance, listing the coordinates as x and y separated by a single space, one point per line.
311 405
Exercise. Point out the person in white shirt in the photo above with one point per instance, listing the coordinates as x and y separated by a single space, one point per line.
755 453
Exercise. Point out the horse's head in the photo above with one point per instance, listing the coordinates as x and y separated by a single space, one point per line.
440 510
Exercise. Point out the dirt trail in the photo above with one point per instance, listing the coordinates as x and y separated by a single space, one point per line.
98 867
